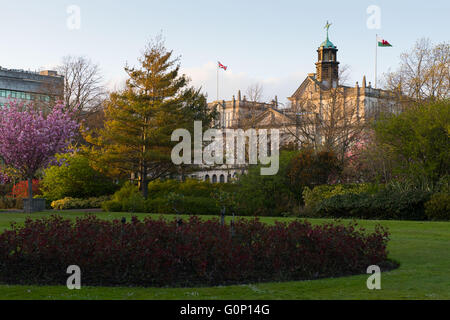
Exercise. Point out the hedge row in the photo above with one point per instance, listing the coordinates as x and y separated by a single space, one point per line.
387 204
75 203
190 205
153 252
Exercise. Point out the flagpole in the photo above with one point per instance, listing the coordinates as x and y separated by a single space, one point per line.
376 50
217 83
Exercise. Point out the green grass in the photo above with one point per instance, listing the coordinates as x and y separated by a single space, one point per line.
422 248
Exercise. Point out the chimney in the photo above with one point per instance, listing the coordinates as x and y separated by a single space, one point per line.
239 95
48 73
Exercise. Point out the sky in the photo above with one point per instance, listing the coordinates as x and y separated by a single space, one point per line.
272 43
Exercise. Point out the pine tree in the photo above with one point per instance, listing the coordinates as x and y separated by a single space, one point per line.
139 120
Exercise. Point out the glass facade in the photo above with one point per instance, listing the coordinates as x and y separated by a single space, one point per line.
12 94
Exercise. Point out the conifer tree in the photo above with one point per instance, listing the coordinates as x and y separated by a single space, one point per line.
139 120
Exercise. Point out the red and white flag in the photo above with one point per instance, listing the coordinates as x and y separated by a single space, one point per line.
222 66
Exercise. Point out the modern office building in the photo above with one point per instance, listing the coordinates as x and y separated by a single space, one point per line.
40 88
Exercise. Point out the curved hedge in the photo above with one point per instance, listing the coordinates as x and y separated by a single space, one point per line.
196 252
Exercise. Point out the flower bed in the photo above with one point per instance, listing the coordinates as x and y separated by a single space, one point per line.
153 252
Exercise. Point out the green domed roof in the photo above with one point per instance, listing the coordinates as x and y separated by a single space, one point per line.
327 44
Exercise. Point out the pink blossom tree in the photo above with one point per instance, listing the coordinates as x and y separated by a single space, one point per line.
29 140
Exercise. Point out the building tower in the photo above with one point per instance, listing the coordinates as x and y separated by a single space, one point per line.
327 66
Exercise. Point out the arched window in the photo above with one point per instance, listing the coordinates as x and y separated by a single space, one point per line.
214 178
207 177
222 178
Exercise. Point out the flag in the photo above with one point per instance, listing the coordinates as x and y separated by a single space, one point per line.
222 66
383 43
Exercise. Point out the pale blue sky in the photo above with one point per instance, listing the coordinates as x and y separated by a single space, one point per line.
271 42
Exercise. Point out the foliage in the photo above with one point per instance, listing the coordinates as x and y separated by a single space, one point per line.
268 195
187 205
74 177
387 204
74 203
20 189
418 139
29 140
438 207
164 253
189 187
312 197
140 119
163 199
311 168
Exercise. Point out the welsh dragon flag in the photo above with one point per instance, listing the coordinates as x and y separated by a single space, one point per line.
383 43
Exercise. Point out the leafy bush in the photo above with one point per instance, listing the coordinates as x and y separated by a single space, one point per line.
312 197
408 205
197 252
438 207
418 141
111 206
75 178
311 168
128 199
195 198
187 188
74 203
20 189
269 195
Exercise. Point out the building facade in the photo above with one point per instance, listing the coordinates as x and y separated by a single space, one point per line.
39 88
318 98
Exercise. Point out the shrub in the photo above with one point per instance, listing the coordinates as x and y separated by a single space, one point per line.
74 203
266 195
197 252
127 199
112 206
408 205
187 188
312 197
75 178
196 198
311 168
20 189
438 207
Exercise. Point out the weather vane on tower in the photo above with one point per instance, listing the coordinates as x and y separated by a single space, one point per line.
327 26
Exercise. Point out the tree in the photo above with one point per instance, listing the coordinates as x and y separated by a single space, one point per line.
310 168
424 72
267 194
74 177
84 92
418 141
255 92
29 140
332 124
140 119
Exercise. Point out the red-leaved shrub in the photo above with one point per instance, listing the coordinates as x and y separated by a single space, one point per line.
20 189
153 252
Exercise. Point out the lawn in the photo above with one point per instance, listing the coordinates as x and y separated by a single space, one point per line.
422 248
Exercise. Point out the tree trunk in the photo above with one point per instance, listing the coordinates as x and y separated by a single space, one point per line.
30 195
144 183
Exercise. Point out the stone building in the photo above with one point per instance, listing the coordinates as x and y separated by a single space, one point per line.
40 88
319 97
